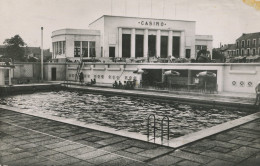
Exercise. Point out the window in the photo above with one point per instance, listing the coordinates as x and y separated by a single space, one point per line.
64 47
248 51
187 53
237 52
198 47
85 49
204 47
76 48
59 47
92 50
243 43
248 43
254 51
254 42
237 43
242 52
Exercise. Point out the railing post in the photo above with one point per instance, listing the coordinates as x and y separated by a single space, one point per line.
168 128
148 126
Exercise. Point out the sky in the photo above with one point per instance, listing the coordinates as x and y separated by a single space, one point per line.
226 20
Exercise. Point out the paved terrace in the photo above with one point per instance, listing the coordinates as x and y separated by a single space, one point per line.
29 140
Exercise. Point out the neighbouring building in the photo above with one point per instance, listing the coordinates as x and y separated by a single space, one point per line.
248 44
130 37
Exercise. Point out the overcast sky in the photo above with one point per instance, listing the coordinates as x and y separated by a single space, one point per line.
226 20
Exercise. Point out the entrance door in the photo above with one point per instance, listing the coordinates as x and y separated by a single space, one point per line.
53 74
112 52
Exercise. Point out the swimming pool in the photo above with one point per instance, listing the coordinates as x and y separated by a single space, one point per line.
122 113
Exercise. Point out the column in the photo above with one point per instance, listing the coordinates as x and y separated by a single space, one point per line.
182 45
158 43
133 43
145 42
10 76
170 43
120 42
2 77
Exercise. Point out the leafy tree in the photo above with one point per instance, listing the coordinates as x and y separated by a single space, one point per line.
14 48
216 54
202 56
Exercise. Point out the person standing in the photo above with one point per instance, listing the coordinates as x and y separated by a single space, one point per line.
81 77
257 91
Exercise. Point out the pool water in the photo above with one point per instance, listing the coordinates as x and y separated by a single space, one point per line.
122 113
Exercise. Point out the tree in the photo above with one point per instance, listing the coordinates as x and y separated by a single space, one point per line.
14 48
202 56
216 54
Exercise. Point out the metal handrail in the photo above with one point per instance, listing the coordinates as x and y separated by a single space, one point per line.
148 126
168 131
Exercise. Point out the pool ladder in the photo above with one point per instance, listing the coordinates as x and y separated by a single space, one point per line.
154 127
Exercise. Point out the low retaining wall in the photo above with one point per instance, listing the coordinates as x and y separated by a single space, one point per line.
29 88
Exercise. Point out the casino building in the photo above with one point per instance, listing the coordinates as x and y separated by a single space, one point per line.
130 37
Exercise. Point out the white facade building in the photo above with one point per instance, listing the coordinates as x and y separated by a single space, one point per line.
129 37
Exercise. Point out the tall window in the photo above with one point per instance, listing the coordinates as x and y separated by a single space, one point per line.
254 42
254 51
92 50
59 47
64 47
85 49
237 52
248 51
243 43
76 48
242 52
248 43
237 43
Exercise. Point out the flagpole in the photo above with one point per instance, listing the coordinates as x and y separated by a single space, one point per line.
42 53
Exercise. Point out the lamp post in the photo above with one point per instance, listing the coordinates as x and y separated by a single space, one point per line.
42 53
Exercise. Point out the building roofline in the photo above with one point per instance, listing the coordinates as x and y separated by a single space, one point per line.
137 17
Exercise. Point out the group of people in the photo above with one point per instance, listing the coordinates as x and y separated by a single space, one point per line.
126 85
81 79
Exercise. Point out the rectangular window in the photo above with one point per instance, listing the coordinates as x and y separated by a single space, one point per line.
198 47
76 48
242 52
242 43
254 51
248 43
164 46
237 52
254 42
59 47
64 47
187 53
85 49
56 48
204 47
248 51
237 43
92 50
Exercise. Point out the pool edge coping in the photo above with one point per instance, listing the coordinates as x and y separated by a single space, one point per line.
173 143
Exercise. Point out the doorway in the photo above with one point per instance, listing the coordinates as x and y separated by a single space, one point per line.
53 74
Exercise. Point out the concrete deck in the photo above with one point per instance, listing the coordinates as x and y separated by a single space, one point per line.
30 140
